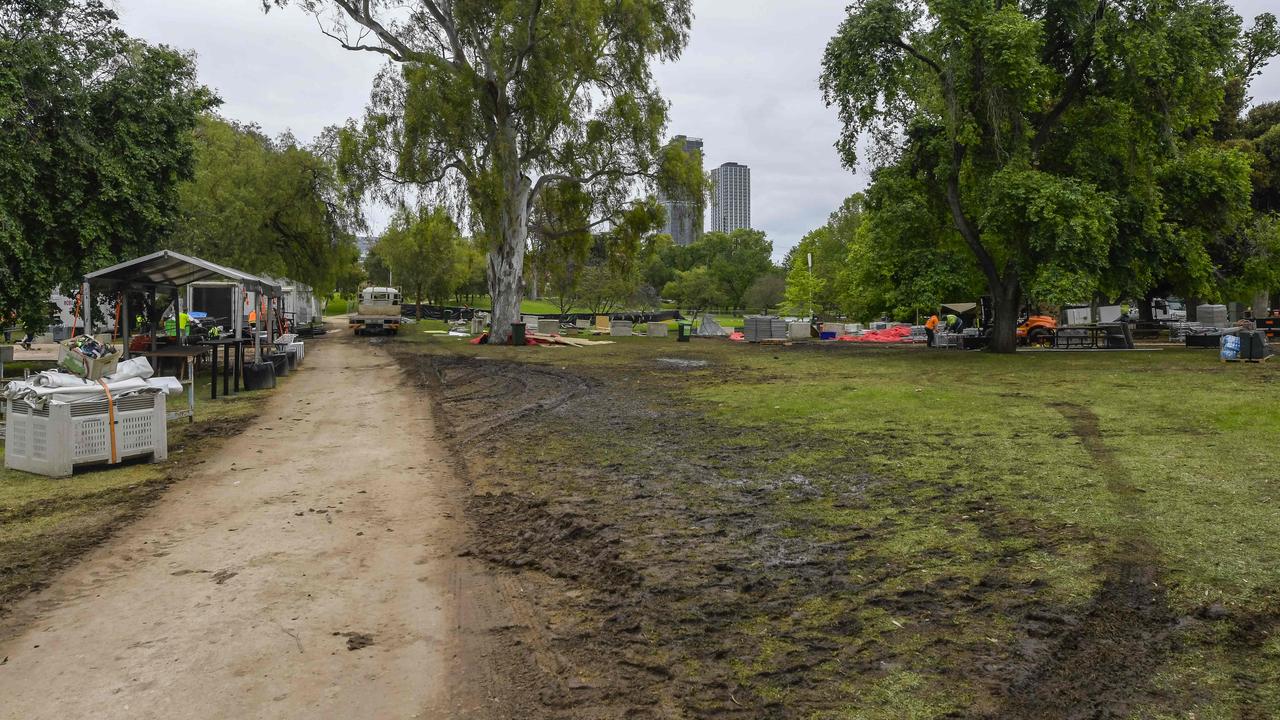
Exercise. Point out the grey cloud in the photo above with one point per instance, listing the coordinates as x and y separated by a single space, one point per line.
748 85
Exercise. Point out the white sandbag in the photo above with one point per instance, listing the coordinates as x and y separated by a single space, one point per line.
170 385
137 367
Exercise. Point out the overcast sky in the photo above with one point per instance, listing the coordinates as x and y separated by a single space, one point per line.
747 85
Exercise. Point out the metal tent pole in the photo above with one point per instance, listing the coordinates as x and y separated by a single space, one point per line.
151 318
124 317
86 309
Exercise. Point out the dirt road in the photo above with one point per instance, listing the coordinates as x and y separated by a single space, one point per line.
309 568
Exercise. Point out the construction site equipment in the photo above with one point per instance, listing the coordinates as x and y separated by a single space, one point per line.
657 330
1037 330
1112 336
378 311
621 328
259 376
56 421
1213 316
758 328
53 440
1253 346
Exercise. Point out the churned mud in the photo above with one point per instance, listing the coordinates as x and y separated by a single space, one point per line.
663 565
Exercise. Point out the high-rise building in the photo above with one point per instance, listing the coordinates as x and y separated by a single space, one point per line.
684 217
731 198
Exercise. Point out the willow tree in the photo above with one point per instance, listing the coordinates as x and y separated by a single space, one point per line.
493 102
1041 130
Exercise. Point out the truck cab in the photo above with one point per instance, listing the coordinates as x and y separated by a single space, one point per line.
378 311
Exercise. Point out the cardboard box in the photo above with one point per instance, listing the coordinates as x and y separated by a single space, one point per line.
76 363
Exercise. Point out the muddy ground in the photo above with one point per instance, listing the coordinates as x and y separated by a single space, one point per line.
667 572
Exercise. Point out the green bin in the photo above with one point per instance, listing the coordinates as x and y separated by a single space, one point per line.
684 331
517 334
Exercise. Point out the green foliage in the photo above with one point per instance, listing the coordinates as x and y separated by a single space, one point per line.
1062 228
562 241
767 292
1039 132
802 290
906 258
828 288
695 290
735 261
420 249
604 287
269 207
95 135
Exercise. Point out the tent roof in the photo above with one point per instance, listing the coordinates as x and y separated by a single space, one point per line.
167 268
960 308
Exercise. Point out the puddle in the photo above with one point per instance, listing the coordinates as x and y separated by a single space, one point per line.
683 364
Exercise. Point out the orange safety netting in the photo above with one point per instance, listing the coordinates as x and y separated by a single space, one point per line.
902 333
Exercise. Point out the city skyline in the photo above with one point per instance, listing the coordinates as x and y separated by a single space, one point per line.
731 198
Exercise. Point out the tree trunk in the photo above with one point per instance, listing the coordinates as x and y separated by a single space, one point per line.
1006 298
506 260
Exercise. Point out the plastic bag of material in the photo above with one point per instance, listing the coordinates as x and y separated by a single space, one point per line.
1230 347
710 328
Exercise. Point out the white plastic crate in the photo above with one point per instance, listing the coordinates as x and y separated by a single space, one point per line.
53 440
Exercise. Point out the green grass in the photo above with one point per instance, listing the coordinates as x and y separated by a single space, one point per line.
337 305
47 522
979 465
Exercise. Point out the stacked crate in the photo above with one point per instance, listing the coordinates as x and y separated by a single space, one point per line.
1213 316
759 328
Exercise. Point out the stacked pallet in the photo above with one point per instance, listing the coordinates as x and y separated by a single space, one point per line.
759 328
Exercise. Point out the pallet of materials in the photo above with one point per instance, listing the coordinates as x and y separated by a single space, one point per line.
758 328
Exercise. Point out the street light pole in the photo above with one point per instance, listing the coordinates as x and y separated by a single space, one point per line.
809 257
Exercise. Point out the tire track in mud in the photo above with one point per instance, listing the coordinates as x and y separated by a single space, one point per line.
1102 668
471 389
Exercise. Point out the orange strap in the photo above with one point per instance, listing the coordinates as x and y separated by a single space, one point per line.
111 421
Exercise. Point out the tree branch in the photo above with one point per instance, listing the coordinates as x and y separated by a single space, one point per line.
933 64
358 47
530 40
550 178
1074 85
364 16
450 31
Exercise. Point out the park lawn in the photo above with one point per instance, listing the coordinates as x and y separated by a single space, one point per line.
46 523
956 492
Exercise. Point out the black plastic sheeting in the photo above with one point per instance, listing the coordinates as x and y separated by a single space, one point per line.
435 312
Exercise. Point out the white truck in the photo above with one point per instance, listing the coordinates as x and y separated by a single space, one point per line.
378 311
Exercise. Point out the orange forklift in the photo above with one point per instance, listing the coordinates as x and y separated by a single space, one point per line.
1034 329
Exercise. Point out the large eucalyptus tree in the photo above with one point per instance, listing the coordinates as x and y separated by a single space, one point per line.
493 102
